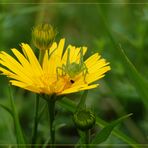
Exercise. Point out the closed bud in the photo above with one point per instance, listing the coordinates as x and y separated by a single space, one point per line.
84 119
43 36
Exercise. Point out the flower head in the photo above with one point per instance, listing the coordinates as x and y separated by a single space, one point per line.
43 36
51 77
84 119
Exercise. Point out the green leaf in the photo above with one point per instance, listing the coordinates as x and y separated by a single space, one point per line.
46 142
106 131
19 134
7 109
81 139
71 106
136 78
42 111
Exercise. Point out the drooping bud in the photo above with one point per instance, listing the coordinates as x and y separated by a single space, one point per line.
84 119
43 36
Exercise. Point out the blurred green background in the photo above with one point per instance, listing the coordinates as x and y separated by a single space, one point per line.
82 24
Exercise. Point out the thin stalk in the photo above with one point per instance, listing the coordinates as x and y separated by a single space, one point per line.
41 55
87 138
35 127
51 110
18 129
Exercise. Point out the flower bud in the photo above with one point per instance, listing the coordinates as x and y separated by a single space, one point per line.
84 119
43 36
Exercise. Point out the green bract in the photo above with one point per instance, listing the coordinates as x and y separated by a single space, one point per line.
84 119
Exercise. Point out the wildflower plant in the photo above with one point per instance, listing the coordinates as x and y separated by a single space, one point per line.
58 71
26 72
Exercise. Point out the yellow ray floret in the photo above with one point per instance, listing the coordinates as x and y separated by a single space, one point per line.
26 72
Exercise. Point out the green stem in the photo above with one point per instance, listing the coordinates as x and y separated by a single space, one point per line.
35 127
87 138
18 129
41 56
51 109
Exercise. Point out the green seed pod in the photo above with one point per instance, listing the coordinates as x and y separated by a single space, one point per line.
43 36
84 119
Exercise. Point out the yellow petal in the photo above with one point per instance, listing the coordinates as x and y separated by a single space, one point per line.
32 58
23 61
74 54
13 66
97 75
24 86
80 88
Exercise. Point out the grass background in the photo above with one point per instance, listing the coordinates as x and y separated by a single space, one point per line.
100 27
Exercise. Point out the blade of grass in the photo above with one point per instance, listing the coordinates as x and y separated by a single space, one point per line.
35 126
139 82
19 133
106 131
7 109
71 106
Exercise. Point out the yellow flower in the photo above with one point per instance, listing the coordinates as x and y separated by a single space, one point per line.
27 73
